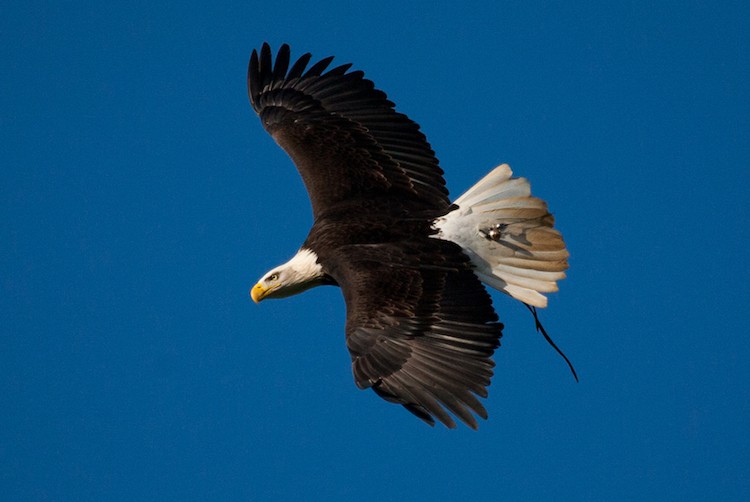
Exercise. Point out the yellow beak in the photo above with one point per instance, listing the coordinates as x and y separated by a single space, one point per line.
258 292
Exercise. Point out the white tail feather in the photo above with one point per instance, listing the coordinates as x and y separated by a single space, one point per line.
508 235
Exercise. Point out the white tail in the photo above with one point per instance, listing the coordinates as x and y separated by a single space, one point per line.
508 235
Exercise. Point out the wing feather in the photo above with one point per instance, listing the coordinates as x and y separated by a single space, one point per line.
420 336
316 69
297 68
342 133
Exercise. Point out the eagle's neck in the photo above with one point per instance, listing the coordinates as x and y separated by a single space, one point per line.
304 268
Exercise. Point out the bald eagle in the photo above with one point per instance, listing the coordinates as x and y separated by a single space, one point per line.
420 326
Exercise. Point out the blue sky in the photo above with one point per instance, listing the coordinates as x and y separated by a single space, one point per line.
141 199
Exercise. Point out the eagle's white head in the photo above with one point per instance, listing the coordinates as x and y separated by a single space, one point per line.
299 274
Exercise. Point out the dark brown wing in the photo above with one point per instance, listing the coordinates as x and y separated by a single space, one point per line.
420 335
343 134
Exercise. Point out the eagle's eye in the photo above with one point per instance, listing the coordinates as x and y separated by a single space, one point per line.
272 277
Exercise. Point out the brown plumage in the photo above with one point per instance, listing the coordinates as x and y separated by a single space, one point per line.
420 327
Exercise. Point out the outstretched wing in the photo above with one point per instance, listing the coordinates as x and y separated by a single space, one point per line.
420 327
343 134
